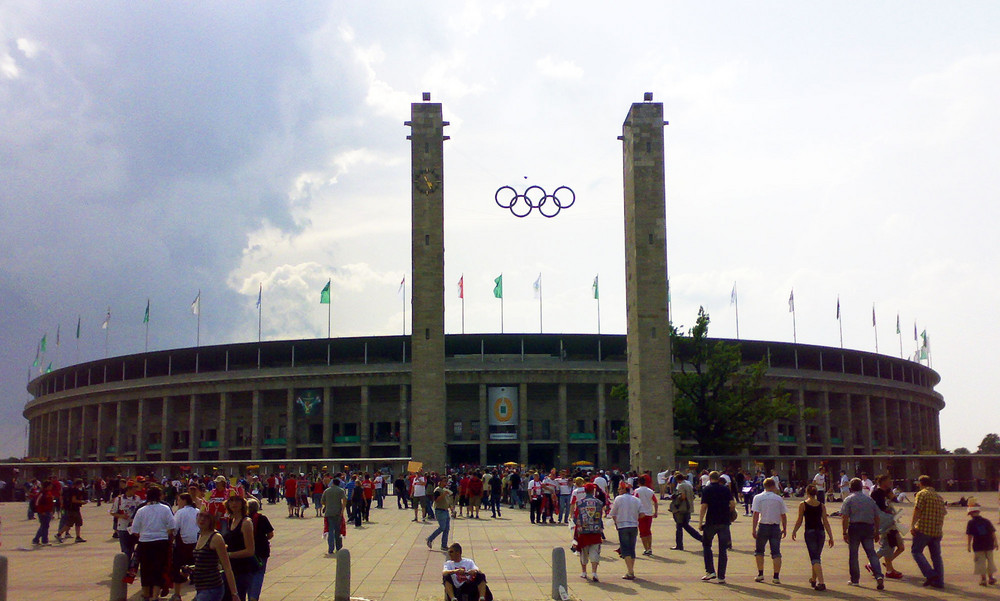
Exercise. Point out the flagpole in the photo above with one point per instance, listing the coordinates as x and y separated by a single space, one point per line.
404 306
875 327
197 339
146 350
540 304
840 323
462 279
501 312
107 334
329 316
260 294
899 331
736 303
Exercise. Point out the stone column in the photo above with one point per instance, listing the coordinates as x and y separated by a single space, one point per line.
166 428
364 428
522 423
140 429
101 443
327 421
119 428
255 429
868 417
57 440
849 434
800 440
824 406
70 446
563 459
602 427
223 435
194 437
651 402
290 442
885 425
484 424
404 422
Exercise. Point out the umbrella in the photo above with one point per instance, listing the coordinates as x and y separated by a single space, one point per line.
510 464
581 463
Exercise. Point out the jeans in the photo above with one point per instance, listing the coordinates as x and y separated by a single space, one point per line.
428 504
862 534
684 523
334 541
127 542
814 544
564 508
495 503
725 538
243 580
768 534
257 581
536 510
444 524
921 540
44 519
210 594
626 541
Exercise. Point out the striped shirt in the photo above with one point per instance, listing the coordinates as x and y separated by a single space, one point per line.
206 573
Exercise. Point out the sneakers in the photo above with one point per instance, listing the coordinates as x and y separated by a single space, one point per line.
676 548
595 578
709 576
722 580
429 545
58 538
80 540
820 587
648 553
895 575
880 583
759 578
775 580
851 583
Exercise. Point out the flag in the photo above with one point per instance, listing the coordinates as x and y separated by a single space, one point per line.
914 331
898 331
791 301
42 343
597 292
48 368
923 338
58 329
324 295
402 287
260 293
461 286
107 320
873 315
538 286
78 318
838 307
498 289
196 304
732 295
145 318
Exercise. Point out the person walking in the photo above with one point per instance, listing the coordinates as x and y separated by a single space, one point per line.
187 529
209 553
817 530
981 539
681 506
334 503
649 509
891 543
860 519
44 506
770 523
625 514
717 507
589 530
927 527
263 532
442 512
241 544
153 526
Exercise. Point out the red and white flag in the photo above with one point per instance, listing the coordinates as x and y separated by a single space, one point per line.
461 286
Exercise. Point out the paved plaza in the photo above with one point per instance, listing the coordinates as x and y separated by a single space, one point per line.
391 562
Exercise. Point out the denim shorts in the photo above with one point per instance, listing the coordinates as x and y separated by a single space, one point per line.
814 544
768 534
626 540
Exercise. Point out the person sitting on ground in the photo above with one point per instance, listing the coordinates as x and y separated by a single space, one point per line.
463 580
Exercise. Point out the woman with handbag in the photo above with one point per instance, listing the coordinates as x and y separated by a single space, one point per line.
209 552
240 544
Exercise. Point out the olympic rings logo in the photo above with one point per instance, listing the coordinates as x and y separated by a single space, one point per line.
535 197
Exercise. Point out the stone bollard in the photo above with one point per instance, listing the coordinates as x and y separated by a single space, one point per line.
559 585
119 567
3 578
342 584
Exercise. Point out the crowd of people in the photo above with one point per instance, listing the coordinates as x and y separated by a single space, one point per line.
207 530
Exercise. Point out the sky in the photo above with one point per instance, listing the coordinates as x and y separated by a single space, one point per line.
158 151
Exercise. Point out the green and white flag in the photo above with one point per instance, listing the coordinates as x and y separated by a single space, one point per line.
42 344
78 318
498 289
597 293
324 295
145 318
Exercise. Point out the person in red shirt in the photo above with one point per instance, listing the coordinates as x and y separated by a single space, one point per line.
290 487
44 506
368 488
217 500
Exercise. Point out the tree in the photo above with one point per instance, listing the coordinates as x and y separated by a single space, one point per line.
719 402
961 451
990 444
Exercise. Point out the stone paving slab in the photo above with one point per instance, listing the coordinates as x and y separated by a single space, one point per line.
391 562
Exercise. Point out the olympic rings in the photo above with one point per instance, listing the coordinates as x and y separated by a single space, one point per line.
534 197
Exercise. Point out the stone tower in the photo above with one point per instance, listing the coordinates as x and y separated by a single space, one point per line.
427 420
650 389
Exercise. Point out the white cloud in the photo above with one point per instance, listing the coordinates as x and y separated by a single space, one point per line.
558 69
28 47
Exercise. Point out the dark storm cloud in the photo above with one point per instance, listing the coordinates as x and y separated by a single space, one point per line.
141 142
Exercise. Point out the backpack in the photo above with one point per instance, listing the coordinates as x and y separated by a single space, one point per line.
679 504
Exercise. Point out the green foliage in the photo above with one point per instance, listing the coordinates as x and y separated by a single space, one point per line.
962 451
990 444
719 402
620 392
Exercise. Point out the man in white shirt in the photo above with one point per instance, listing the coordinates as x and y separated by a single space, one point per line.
565 495
153 524
535 498
770 522
866 484
186 527
379 489
418 495
661 484
462 577
625 513
123 508
820 481
648 509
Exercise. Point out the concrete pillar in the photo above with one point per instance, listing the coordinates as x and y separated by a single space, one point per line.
884 416
70 436
223 435
651 403
140 429
563 459
800 440
255 429
194 437
824 407
60 435
327 421
602 427
484 424
404 421
849 435
290 442
522 423
364 428
427 277
868 417
166 428
119 428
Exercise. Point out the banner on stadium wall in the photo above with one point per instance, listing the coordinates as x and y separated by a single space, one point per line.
309 400
503 405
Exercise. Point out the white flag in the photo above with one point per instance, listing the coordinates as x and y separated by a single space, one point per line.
196 305
402 287
791 301
538 286
732 296
107 320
